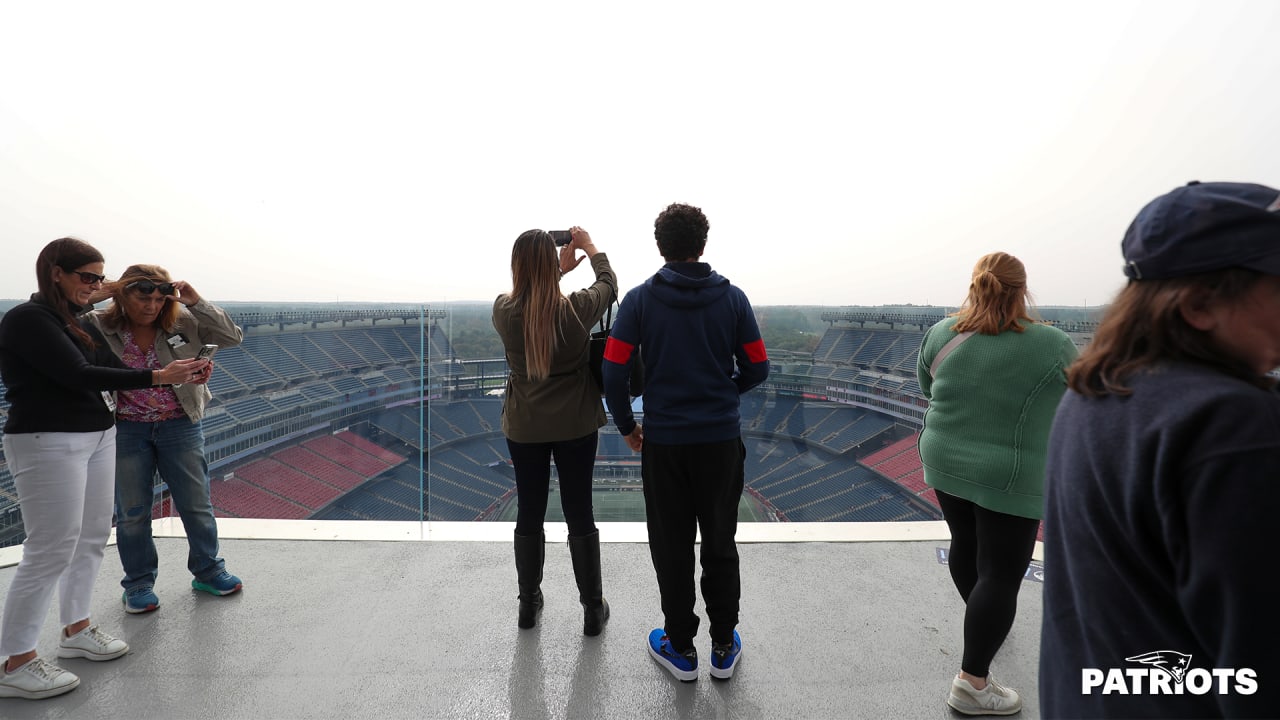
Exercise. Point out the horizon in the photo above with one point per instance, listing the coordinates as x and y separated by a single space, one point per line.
846 154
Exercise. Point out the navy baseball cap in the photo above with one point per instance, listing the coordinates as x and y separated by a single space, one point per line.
1205 227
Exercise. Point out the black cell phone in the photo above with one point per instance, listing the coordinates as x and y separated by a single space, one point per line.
560 237
206 351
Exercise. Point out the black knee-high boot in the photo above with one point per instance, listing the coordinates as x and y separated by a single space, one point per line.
585 551
530 551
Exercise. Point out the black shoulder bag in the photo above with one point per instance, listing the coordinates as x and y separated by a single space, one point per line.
598 340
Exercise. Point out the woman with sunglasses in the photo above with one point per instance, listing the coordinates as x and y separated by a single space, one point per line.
153 320
60 444
552 409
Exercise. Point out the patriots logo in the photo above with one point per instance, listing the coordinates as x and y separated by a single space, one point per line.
1172 662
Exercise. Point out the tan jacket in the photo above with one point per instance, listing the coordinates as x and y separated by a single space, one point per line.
567 404
197 325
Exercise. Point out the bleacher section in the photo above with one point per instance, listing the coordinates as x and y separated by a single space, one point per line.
900 462
302 479
295 368
886 351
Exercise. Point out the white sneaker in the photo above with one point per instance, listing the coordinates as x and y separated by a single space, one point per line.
36 680
92 644
994 699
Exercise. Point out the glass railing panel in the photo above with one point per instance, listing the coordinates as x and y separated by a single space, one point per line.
394 413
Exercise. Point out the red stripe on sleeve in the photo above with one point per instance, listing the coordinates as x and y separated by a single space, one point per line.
755 351
616 351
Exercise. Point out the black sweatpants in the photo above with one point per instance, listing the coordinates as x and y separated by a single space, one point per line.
575 462
687 488
989 555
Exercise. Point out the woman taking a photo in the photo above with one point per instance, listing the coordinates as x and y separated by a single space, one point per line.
993 377
153 320
60 443
552 408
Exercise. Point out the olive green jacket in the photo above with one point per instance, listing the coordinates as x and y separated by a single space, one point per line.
567 404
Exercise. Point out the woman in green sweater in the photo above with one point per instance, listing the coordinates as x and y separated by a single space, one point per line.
993 377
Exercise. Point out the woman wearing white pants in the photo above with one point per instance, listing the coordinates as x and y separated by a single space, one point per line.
59 442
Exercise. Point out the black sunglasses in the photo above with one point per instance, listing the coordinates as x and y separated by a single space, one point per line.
89 278
146 287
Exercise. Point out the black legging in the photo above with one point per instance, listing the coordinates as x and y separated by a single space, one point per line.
575 461
989 555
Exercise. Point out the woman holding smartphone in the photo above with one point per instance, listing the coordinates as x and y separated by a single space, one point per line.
153 320
60 444
552 410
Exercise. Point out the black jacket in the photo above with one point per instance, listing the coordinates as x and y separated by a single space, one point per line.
1159 519
55 383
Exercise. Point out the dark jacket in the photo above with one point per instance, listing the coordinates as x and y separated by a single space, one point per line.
1160 510
566 405
54 383
701 348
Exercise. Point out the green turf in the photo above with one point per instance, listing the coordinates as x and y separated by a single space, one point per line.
613 505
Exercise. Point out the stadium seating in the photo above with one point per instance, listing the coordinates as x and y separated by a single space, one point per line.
801 450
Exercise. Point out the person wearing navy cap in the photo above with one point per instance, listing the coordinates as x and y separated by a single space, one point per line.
1163 475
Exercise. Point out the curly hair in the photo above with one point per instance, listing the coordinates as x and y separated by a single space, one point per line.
681 231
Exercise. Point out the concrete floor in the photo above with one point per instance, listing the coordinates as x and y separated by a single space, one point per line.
377 629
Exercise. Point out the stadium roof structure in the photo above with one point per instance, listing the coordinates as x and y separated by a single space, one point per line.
856 620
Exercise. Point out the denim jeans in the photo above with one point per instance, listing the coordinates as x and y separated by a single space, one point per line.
174 448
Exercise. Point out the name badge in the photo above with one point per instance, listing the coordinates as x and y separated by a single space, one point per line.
176 341
110 399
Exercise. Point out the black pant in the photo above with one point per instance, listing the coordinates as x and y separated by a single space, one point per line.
575 460
989 555
687 487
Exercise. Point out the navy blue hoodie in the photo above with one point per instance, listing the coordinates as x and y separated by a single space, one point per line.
701 347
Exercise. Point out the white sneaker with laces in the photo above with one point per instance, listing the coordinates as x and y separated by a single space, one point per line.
92 644
36 680
994 699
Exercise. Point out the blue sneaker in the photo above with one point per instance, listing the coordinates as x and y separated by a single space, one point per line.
224 583
140 599
684 666
724 657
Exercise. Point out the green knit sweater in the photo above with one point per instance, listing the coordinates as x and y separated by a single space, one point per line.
990 408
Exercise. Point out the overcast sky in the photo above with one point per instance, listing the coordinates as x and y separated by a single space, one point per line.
846 153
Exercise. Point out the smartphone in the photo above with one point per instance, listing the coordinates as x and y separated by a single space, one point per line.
560 237
206 352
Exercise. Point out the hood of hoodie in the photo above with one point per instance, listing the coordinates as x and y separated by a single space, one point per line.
687 284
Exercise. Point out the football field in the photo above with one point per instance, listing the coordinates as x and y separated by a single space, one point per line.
614 504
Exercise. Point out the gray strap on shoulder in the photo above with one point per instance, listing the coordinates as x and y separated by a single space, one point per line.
946 350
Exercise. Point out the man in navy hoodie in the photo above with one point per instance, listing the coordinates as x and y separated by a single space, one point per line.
701 348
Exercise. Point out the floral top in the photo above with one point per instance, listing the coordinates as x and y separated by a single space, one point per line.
152 404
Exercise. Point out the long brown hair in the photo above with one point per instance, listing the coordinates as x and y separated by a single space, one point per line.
67 253
535 285
166 320
997 298
1144 327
